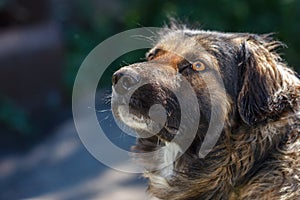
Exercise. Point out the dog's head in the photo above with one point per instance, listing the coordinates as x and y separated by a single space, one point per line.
240 75
245 66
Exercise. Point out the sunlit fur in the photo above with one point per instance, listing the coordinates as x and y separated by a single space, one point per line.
258 153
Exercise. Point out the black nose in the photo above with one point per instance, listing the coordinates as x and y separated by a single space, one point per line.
123 81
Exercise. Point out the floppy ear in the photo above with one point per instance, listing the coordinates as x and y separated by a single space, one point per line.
260 80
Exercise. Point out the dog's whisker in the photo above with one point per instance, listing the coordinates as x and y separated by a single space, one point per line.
104 119
145 38
100 111
104 110
125 62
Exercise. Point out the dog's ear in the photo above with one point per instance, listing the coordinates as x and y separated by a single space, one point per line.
260 80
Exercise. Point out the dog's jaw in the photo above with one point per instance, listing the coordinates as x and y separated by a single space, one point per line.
171 149
133 121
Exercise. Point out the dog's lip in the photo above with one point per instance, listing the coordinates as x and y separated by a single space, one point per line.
167 132
171 129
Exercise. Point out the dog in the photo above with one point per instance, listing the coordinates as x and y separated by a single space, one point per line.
257 153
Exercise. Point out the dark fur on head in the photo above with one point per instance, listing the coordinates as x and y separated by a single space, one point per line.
257 154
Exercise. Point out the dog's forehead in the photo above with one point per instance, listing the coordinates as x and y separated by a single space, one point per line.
177 42
185 45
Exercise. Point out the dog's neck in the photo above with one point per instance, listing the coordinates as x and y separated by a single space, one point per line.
219 174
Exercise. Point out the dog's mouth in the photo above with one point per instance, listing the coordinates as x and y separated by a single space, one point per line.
144 125
149 115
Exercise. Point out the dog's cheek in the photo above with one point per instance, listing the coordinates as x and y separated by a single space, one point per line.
202 85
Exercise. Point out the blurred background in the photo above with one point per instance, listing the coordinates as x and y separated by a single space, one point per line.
42 45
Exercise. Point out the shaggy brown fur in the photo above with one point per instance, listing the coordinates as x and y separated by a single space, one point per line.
258 153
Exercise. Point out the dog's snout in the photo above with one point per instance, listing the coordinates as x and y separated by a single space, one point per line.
124 80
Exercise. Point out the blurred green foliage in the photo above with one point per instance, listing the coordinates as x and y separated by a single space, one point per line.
94 21
14 117
86 23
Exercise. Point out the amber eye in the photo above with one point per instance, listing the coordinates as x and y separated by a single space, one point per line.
150 56
198 66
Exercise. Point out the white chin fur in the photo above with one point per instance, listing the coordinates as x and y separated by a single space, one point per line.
170 154
132 120
172 150
141 123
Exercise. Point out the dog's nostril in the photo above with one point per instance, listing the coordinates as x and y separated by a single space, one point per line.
116 77
122 82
